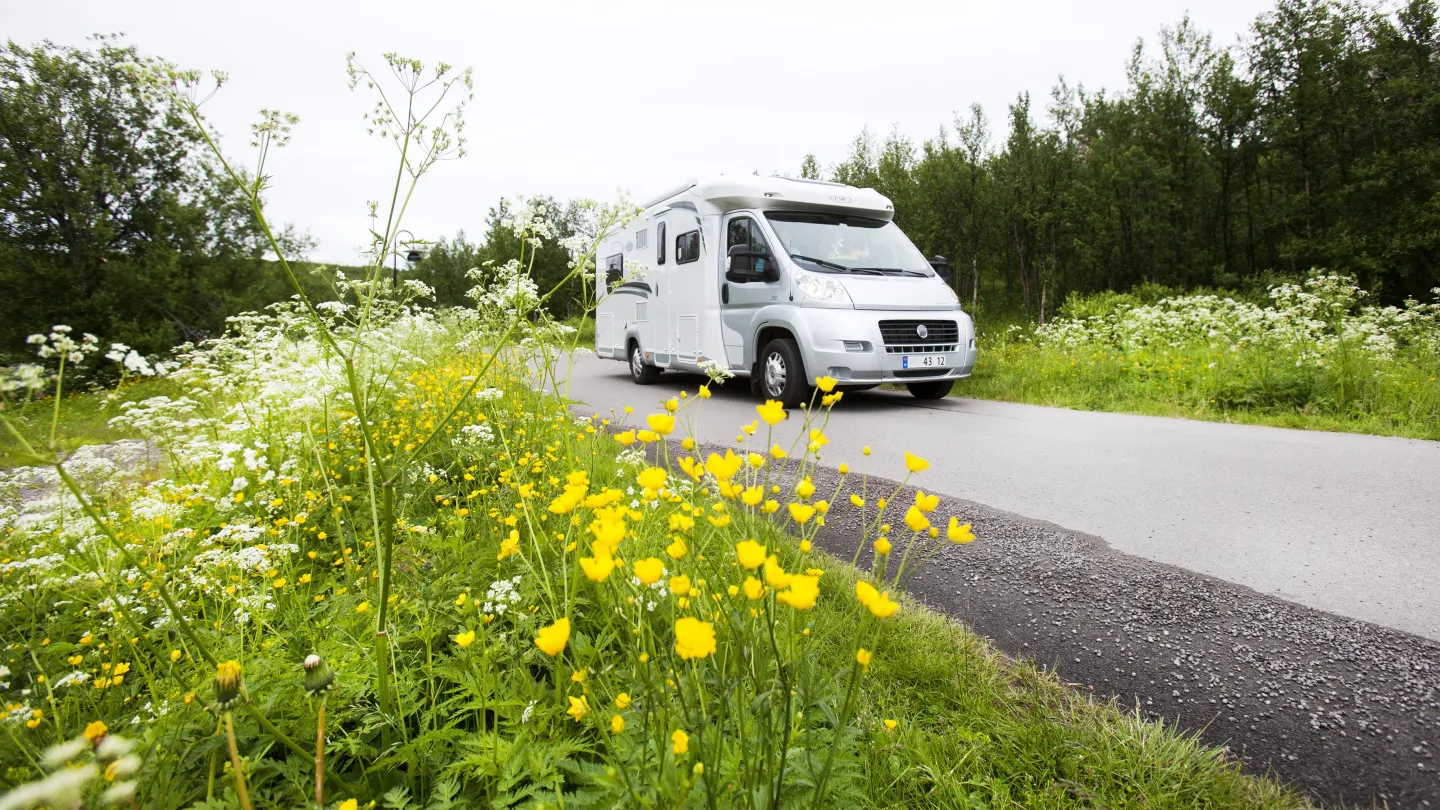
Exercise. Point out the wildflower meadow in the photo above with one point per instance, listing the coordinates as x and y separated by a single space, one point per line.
1311 354
364 555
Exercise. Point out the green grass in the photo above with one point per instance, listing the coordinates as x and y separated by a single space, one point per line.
976 728
1260 387
84 418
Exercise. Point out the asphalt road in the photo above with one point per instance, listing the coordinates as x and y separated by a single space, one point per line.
1342 523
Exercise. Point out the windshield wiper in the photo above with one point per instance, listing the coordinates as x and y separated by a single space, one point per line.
886 270
821 262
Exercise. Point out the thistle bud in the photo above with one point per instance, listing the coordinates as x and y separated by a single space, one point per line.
229 688
318 677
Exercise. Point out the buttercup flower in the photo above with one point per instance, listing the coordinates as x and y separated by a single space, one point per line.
862 657
661 423
552 638
772 412
957 533
681 742
802 592
465 639
915 520
926 503
694 639
750 553
652 478
579 707
617 724
914 464
826 384
649 570
801 513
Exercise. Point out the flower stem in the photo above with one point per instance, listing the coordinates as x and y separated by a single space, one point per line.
235 764
320 755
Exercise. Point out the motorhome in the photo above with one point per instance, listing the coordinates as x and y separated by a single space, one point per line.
782 281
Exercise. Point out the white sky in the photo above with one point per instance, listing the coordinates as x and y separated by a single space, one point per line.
581 99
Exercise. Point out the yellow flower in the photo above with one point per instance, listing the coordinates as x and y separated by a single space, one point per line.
865 592
278 583
777 452
826 384
95 731
704 392
882 546
304 579
805 488
661 423
882 606
363 607
552 639
830 399
775 576
857 501
617 724
733 590
349 804
694 638
723 468
802 592
174 656
681 742
579 707
680 585
770 507
805 545
817 440
801 513
688 443
510 546
926 503
465 639
627 438
754 588
647 436
751 554
844 468
677 550
890 725
862 657
751 496
598 568
672 405
622 701
772 412
649 570
652 478
915 520
958 533
914 464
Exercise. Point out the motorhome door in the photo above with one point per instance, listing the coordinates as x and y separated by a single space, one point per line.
750 281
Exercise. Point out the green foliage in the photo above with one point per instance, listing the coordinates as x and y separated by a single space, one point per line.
1312 358
111 220
1315 142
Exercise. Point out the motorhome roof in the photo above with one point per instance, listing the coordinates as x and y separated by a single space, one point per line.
727 193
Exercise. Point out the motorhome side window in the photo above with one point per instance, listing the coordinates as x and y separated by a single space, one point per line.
614 271
687 247
660 243
743 233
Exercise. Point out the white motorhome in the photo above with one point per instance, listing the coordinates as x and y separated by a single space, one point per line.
780 280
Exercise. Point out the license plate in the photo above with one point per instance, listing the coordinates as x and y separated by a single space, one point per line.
922 361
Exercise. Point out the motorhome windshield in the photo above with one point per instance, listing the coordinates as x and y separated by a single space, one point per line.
842 243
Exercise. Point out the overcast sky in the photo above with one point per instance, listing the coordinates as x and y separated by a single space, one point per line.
581 99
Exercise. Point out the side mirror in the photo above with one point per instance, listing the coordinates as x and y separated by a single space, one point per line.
745 264
941 267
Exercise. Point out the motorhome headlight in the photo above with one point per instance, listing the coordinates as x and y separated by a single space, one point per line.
818 288
954 297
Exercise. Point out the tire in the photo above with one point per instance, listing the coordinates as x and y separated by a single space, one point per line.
782 373
640 371
936 389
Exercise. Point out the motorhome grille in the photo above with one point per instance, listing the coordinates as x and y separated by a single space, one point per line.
928 348
907 333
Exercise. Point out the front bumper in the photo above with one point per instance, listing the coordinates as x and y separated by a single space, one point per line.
848 345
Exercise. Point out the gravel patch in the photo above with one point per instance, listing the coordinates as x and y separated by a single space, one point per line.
1345 710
